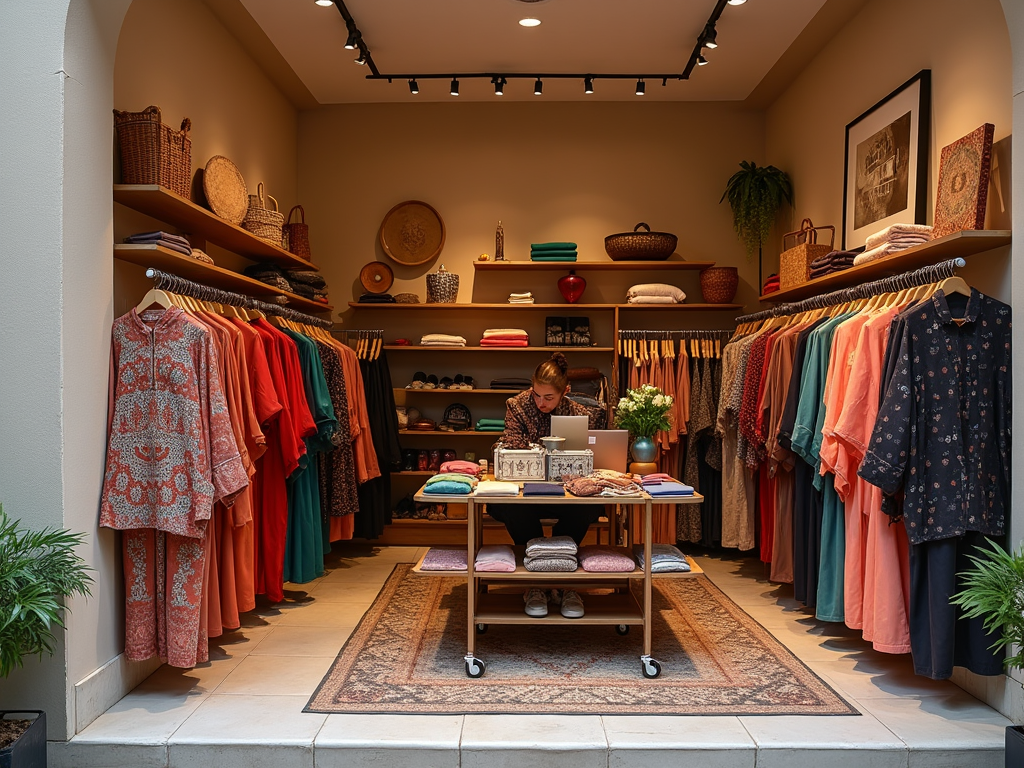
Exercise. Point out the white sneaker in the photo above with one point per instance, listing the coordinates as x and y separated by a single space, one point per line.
572 604
536 602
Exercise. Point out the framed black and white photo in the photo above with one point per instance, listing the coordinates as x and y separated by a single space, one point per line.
886 179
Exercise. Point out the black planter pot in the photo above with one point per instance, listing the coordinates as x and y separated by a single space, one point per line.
1014 746
29 751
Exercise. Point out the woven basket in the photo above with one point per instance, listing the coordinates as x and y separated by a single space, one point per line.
799 249
297 234
261 221
154 153
718 284
640 246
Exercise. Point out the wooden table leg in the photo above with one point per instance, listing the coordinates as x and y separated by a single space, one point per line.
471 527
648 534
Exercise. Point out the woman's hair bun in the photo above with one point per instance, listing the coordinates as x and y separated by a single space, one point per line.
559 360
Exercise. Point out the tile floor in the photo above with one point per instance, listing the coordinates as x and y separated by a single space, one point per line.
244 708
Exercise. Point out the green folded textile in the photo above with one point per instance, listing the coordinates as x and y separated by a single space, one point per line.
491 423
554 259
490 429
553 254
553 246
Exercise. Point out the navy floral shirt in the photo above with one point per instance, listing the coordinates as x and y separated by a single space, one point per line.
943 431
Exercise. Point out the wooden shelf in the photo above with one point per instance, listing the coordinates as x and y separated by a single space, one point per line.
680 307
460 392
162 204
593 266
600 609
460 433
419 348
167 260
414 472
548 307
957 245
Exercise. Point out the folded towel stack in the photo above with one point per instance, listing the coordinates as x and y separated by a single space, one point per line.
543 489
834 261
893 239
511 383
668 488
376 298
495 558
308 284
605 559
771 285
175 243
461 467
664 558
505 337
521 298
269 274
450 483
554 553
444 559
558 251
496 488
442 340
490 425
655 293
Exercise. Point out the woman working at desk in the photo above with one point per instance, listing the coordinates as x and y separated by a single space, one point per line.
527 419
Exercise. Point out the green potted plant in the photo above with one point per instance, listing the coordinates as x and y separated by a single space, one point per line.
644 412
38 571
755 194
994 591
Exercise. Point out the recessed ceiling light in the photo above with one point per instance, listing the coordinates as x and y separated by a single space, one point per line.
529 22
737 2
324 3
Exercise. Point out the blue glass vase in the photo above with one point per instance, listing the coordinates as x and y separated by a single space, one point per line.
643 450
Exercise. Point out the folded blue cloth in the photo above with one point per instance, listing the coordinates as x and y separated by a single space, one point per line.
669 489
554 246
448 487
664 558
553 254
543 489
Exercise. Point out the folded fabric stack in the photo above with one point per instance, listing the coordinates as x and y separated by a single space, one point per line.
376 298
269 274
543 489
309 284
834 261
893 239
496 488
655 293
553 553
175 243
605 559
664 558
521 298
602 482
407 298
559 251
494 558
442 340
668 488
511 383
450 483
490 425
771 285
505 337
444 559
461 467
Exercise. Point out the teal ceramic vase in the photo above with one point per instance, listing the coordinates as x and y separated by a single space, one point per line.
643 450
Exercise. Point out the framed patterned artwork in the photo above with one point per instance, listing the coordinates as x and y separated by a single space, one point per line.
963 182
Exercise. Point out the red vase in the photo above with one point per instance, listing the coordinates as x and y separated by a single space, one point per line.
572 286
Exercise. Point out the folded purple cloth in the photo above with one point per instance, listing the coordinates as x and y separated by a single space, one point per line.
605 559
444 559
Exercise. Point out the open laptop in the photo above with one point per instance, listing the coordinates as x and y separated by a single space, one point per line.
610 447
573 429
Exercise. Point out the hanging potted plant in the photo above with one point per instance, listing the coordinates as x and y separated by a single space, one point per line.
755 194
38 571
994 591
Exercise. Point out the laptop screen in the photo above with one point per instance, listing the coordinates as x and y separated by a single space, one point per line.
573 429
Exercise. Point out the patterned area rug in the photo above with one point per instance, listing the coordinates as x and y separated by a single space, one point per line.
406 656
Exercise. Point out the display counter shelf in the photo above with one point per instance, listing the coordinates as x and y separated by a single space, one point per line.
419 348
591 266
548 307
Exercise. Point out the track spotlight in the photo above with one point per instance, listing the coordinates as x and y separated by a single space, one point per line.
641 87
414 87
701 61
710 37
588 85
324 3
538 87
499 85
363 56
455 87
353 40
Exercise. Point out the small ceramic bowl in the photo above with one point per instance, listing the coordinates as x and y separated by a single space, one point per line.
553 443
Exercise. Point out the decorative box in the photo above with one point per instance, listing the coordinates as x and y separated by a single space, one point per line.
514 464
569 463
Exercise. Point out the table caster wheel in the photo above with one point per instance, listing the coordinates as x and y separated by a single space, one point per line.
481 628
475 667
622 629
650 667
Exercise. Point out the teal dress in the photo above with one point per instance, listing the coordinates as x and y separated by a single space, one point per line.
305 543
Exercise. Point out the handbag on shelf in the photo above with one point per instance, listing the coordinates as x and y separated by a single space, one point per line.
799 249
296 234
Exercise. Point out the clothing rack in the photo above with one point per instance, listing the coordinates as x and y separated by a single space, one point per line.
682 334
368 343
922 276
181 285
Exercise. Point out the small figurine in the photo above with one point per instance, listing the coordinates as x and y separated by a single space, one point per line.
499 243
483 257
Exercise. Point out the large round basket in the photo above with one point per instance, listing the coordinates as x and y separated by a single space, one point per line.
640 246
718 284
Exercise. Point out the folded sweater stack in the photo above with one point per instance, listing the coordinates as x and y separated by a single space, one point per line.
655 293
496 488
664 558
771 285
554 553
831 262
376 298
893 239
444 559
308 284
458 466
450 483
490 425
442 340
558 251
175 243
521 298
505 337
494 558
269 274
605 559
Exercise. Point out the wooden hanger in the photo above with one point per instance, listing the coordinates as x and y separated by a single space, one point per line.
955 284
155 297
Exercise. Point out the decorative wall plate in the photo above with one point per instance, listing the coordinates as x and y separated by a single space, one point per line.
225 189
412 233
376 277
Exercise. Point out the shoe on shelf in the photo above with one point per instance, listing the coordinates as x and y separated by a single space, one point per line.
572 604
431 382
536 602
445 383
418 380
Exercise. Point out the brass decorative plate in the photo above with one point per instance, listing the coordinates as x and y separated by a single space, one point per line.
376 277
225 189
412 233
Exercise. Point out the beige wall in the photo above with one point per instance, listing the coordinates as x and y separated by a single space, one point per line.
550 171
235 110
